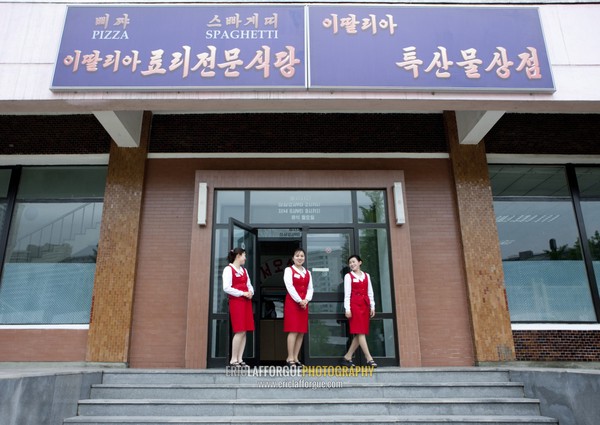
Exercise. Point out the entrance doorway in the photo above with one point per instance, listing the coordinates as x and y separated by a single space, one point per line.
328 244
275 255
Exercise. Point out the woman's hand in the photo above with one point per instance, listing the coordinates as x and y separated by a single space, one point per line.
349 314
248 295
372 313
303 304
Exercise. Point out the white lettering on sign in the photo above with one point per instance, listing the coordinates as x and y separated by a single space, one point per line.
300 208
241 35
110 35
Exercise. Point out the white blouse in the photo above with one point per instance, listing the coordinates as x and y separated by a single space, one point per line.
289 283
228 281
348 279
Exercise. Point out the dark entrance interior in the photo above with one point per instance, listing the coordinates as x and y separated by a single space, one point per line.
275 256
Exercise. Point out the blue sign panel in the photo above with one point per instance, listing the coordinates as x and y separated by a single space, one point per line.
182 47
428 48
268 47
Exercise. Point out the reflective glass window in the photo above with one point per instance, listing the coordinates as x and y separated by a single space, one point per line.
5 174
374 251
220 249
371 206
327 337
326 255
289 206
50 260
543 266
588 179
230 204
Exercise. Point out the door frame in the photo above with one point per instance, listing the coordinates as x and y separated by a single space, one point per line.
252 274
326 296
305 231
201 241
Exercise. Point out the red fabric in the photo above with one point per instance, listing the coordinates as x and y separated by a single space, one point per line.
240 308
295 318
360 306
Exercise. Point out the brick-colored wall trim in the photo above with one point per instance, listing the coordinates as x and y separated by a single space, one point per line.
558 345
42 345
112 302
492 334
164 256
199 284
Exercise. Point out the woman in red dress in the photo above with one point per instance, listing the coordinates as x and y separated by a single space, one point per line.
237 285
298 283
359 304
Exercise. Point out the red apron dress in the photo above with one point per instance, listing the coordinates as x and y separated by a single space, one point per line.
360 306
295 318
240 308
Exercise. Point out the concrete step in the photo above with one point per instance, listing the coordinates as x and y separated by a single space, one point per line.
383 375
296 389
312 420
320 407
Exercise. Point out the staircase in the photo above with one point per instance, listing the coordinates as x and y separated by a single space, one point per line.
472 396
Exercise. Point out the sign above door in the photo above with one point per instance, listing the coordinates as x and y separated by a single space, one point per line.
311 47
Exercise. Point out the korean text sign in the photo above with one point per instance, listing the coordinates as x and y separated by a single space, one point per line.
270 47
181 47
428 48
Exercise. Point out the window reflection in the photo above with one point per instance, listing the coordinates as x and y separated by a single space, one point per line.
371 206
588 179
544 272
230 204
381 338
50 259
328 338
541 256
375 255
220 249
284 219
283 207
326 255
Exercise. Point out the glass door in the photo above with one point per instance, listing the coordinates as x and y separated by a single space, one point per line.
246 237
327 252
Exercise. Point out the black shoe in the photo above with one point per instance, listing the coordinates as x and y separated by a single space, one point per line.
298 364
372 363
347 363
290 364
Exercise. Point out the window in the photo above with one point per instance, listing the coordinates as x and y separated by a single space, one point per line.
544 266
50 256
588 179
330 225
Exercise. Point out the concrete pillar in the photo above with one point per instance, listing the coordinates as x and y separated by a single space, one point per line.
492 334
112 302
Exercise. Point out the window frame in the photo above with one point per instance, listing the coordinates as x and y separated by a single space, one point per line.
12 201
575 199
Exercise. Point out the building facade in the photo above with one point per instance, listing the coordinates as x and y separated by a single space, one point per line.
468 206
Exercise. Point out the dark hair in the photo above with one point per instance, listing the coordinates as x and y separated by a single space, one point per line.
299 250
231 256
355 256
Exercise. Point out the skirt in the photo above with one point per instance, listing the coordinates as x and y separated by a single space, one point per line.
361 314
295 318
240 313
